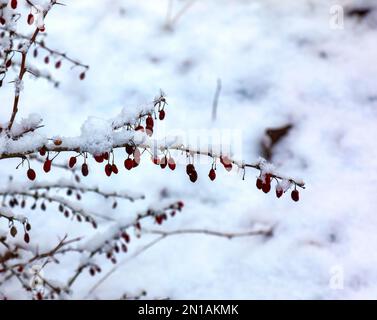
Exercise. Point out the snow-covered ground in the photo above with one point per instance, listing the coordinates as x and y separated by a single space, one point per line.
279 62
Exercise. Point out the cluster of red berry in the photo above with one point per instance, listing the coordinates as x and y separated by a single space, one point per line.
121 240
264 183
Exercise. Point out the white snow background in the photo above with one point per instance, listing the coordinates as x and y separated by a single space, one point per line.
279 62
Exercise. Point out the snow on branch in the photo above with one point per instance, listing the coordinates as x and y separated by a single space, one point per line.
131 131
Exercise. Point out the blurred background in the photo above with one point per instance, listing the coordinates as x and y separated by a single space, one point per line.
298 87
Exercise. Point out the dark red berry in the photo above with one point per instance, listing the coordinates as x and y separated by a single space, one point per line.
13 4
108 169
149 122
26 237
295 195
82 76
128 164
190 168
47 166
58 64
172 164
2 20
161 115
72 162
13 231
259 183
114 168
159 219
99 158
139 128
130 149
135 163
47 60
84 169
8 63
42 151
193 176
212 174
31 174
105 155
279 191
266 187
163 162
156 160
30 19
126 237
27 226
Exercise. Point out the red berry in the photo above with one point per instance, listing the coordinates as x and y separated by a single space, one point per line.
190 168
8 63
84 169
72 162
42 28
129 149
108 169
47 165
99 158
149 122
13 231
30 19
139 128
193 176
163 162
114 168
126 237
31 174
105 155
212 174
2 20
172 164
159 219
295 195
128 164
266 187
58 64
135 163
156 161
82 76
47 60
259 183
161 115
279 192
42 151
26 237
13 4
